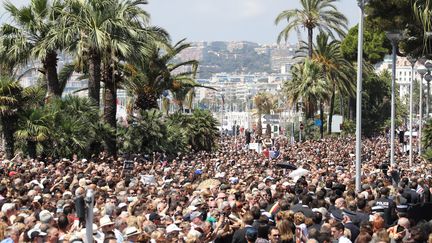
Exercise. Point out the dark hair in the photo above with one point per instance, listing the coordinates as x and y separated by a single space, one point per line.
364 237
361 203
324 237
339 226
284 205
317 218
256 212
62 222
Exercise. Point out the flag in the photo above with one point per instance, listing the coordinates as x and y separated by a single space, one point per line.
419 189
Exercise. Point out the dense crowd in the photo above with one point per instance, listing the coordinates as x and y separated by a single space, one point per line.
230 195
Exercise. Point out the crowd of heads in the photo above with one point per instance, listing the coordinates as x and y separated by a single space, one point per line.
229 195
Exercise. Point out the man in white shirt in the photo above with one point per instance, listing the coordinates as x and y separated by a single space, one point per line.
337 231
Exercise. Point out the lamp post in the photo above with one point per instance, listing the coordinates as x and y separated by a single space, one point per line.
222 115
361 4
428 65
412 62
422 70
394 37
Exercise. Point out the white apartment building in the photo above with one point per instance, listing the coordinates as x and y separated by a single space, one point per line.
403 74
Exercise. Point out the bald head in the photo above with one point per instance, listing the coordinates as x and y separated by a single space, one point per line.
404 222
340 203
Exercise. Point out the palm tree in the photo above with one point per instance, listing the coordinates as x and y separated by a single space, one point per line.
10 102
309 84
27 38
264 103
34 127
150 77
336 69
202 130
320 14
93 30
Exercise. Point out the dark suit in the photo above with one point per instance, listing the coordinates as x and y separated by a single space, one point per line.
355 231
240 235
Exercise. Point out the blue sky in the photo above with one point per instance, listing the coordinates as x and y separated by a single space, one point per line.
225 20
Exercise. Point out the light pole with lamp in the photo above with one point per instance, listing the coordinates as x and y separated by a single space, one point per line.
361 4
422 70
394 37
428 65
412 61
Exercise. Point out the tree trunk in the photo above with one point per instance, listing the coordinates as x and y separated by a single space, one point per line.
181 108
352 108
259 126
94 77
332 105
50 66
310 41
322 119
8 133
31 148
110 107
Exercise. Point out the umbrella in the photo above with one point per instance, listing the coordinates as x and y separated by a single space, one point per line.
298 173
209 183
286 165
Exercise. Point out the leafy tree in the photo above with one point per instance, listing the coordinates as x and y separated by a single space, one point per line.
320 14
393 15
427 140
376 104
375 45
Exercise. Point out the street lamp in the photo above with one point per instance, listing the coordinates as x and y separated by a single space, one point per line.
428 65
412 61
394 37
422 70
361 4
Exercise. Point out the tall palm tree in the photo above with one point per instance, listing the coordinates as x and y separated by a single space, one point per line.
93 28
26 39
10 102
310 85
320 14
336 69
264 103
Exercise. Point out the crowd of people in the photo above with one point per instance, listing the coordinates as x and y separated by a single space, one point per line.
229 195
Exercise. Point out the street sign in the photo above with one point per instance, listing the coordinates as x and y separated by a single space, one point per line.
301 126
318 123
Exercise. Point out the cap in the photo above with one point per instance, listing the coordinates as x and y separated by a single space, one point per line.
154 216
194 215
12 173
131 231
122 205
171 228
35 232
